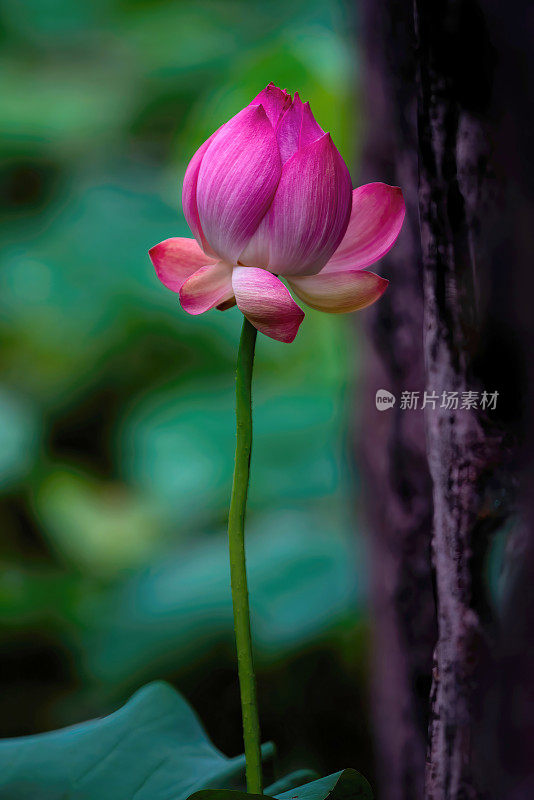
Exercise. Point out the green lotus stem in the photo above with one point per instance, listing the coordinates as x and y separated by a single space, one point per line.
238 569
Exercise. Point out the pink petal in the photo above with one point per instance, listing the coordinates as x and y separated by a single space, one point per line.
376 221
237 180
274 101
288 130
308 216
310 130
296 129
189 195
208 287
176 259
339 292
266 303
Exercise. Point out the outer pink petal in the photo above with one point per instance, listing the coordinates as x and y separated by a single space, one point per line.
176 259
297 129
288 130
237 180
189 195
339 292
274 101
376 221
308 216
310 130
208 287
266 303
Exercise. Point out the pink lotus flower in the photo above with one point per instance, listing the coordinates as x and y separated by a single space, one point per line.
269 195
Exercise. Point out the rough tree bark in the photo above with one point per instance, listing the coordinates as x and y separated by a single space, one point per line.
474 67
509 713
459 201
399 497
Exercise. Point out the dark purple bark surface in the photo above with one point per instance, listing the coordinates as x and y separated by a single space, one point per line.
510 712
394 460
457 318
456 189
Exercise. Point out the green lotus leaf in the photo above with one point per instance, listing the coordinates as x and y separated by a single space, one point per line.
345 785
153 748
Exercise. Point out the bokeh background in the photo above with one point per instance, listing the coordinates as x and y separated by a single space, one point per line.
116 408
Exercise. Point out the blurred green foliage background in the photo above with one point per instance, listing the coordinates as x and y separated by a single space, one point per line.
116 408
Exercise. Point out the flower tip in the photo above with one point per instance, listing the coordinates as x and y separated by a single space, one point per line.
272 87
157 251
290 334
326 139
400 196
397 191
157 255
154 255
175 259
398 202
383 284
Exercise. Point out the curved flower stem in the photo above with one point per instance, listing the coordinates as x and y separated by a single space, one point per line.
238 572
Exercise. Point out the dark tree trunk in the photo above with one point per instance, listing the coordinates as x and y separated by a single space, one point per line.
399 495
465 69
458 196
510 711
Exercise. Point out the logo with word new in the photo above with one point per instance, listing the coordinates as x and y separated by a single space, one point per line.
384 399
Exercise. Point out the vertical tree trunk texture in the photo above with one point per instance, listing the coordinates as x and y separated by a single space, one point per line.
394 465
459 201
474 63
511 712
